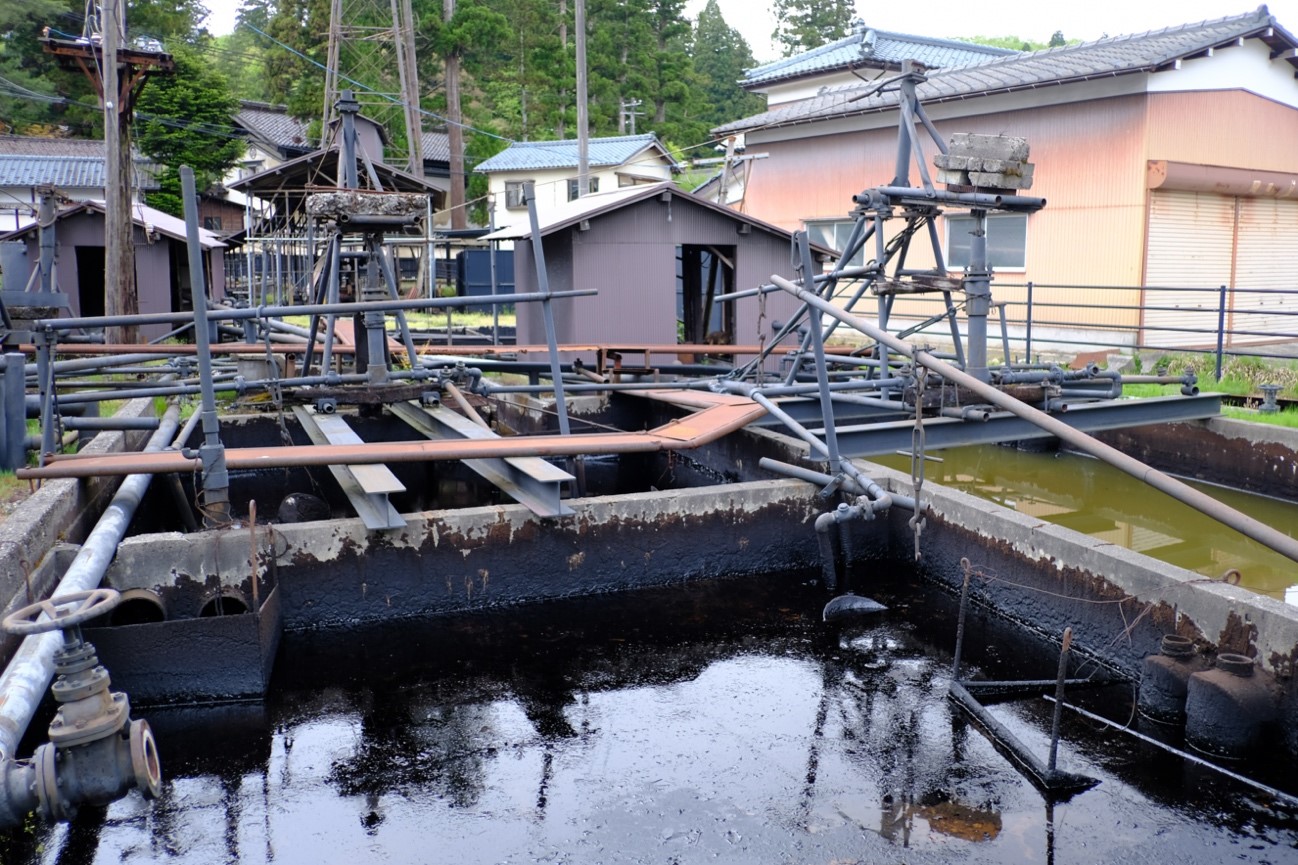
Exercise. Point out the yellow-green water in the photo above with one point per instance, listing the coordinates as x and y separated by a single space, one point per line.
1096 499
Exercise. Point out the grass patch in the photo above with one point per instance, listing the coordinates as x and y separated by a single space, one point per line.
1285 417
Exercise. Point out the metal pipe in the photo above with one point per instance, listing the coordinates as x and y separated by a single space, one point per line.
228 314
1059 699
812 476
959 623
26 679
1183 493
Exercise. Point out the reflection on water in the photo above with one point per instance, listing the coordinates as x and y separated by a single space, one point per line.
1096 499
702 723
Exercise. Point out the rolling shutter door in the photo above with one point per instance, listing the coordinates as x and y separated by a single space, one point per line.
1190 240
1264 259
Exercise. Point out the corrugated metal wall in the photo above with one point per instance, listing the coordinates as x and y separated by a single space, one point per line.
1225 127
629 256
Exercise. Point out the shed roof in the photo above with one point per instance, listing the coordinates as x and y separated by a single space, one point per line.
1153 51
602 152
142 215
66 172
318 172
868 47
593 206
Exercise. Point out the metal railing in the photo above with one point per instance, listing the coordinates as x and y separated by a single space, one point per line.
1224 321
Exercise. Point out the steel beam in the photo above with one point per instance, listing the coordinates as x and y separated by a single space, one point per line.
367 486
530 481
884 438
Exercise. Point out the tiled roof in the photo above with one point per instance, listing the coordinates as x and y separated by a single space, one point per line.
274 125
1118 55
66 172
874 48
21 145
436 146
535 155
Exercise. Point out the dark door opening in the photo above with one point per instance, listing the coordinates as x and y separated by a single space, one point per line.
90 280
703 274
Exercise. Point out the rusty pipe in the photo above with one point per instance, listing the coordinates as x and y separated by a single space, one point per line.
1205 504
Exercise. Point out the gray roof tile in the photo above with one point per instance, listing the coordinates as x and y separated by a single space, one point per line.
874 48
66 172
1117 55
273 125
538 155
436 147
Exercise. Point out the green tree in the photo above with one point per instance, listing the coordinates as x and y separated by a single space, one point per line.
805 24
720 57
1057 40
184 119
36 96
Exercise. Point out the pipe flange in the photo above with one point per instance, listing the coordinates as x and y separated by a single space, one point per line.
51 804
1235 664
1176 646
68 689
144 760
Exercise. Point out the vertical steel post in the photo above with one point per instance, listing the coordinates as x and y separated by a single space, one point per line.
375 320
216 480
15 410
1059 698
348 107
45 339
1221 328
547 307
1027 350
959 625
978 296
818 347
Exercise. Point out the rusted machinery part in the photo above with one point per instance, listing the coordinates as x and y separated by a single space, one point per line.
725 414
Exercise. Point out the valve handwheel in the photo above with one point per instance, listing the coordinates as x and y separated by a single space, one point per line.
65 611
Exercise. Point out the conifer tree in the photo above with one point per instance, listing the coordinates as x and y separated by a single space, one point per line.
805 24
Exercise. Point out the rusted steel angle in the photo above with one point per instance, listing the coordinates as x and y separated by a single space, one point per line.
692 431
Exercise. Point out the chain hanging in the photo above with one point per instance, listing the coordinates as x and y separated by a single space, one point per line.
917 446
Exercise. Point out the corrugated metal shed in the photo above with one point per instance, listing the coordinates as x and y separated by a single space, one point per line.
145 217
866 47
539 155
1117 55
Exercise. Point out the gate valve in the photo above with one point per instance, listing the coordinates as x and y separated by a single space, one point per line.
96 753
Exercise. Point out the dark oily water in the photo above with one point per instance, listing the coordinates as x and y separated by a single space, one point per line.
701 723
1094 498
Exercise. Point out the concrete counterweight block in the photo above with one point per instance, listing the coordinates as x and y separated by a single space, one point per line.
1164 680
1228 708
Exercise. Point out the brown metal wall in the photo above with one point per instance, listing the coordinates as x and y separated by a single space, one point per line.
1228 127
1090 166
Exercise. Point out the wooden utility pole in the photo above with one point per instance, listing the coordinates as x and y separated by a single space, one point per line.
119 254
583 120
455 128
118 73
563 91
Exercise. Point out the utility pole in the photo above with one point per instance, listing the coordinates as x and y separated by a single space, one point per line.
455 128
117 74
563 41
725 172
119 257
583 120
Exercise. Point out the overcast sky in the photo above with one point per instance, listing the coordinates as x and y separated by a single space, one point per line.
1033 19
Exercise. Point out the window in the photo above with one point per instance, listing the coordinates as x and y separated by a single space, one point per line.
593 186
212 223
834 234
514 194
1007 240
